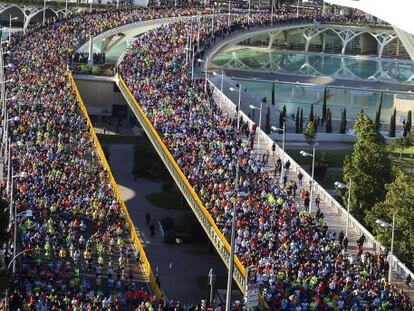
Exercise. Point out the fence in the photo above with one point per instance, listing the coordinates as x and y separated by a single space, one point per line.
134 236
203 216
400 268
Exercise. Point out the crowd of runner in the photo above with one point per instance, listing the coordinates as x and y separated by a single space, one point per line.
78 252
298 261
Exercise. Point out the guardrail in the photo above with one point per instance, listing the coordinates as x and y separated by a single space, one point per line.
134 236
400 268
203 216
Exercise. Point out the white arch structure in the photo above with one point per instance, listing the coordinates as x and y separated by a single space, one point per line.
27 13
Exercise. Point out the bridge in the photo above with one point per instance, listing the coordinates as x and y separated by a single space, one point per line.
337 215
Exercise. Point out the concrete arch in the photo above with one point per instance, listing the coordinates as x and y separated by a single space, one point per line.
14 11
365 42
37 16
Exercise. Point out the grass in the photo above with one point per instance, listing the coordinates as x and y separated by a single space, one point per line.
330 177
335 158
117 139
166 200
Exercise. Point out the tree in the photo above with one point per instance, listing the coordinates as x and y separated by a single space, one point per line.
324 105
267 123
369 168
399 201
273 94
297 121
301 121
378 113
311 114
328 121
407 126
391 131
342 129
310 132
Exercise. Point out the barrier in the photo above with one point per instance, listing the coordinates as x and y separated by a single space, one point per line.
399 267
203 216
134 236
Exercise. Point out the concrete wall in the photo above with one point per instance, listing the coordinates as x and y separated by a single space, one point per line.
99 95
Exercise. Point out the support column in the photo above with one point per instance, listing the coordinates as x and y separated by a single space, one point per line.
90 58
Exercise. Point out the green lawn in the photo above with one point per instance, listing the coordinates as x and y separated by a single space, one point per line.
335 158
166 200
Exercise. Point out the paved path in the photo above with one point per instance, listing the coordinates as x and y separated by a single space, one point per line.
189 261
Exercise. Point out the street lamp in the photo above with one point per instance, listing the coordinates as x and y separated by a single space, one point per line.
307 155
344 186
283 129
260 121
44 11
232 89
385 224
10 24
205 67
233 234
21 175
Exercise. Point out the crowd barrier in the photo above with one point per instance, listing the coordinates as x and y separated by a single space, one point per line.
134 236
400 268
203 216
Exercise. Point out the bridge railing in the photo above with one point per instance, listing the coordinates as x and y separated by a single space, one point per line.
203 216
400 268
134 235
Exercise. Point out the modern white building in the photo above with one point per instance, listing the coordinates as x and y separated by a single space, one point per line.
398 13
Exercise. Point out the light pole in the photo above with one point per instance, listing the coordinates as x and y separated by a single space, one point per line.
66 7
271 14
274 128
297 10
205 69
90 5
232 89
44 12
385 224
306 154
260 121
21 175
229 17
344 186
233 233
10 25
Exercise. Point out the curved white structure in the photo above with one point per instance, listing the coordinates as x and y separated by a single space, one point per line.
398 13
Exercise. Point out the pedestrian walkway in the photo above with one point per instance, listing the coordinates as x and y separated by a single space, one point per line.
335 221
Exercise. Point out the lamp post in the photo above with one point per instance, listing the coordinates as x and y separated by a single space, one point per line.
232 89
233 234
205 69
21 175
271 14
10 24
306 154
344 186
260 121
229 16
385 224
274 128
44 12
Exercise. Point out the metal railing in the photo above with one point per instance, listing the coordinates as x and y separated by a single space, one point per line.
203 216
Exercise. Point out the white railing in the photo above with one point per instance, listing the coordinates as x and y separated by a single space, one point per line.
399 267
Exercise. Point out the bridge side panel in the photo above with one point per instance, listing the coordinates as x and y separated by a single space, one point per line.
203 216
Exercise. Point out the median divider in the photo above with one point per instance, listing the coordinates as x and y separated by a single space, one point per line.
134 236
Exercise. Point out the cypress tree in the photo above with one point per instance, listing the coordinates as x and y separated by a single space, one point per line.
324 105
284 111
409 123
281 121
273 94
391 131
328 121
297 121
378 114
342 129
301 121
311 115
